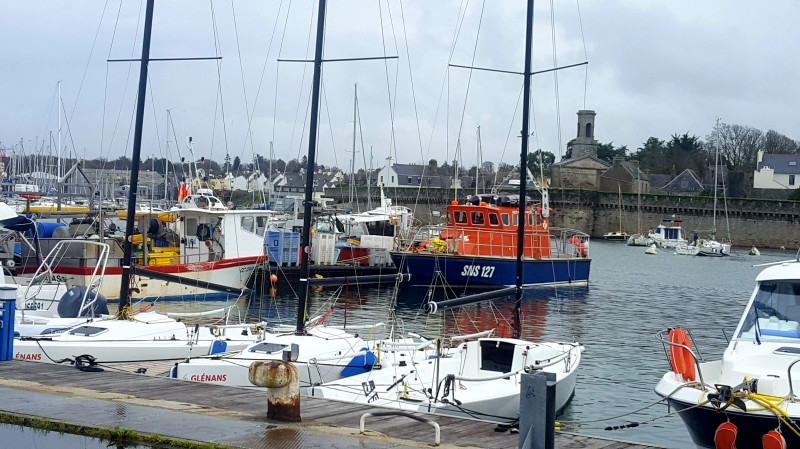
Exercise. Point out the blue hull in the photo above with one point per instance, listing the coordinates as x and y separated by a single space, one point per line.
476 271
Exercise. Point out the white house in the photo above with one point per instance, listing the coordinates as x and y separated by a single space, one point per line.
239 183
777 171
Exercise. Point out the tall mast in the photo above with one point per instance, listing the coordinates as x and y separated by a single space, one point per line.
124 288
312 148
523 165
353 159
478 163
716 170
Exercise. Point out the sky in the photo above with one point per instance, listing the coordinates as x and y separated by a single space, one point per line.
655 69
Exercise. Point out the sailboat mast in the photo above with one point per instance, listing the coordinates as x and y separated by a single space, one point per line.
312 148
353 159
523 164
716 171
124 288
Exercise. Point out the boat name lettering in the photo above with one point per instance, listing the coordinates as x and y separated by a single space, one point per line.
59 278
208 377
22 356
369 388
34 305
485 271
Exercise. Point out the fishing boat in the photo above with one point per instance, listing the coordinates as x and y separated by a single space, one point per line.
669 233
747 397
478 246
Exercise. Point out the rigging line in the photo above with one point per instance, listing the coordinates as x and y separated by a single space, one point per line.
413 100
277 71
396 51
244 88
124 91
105 88
177 148
264 68
555 74
508 135
459 19
330 127
69 130
469 79
302 82
585 54
392 141
219 85
91 52
155 115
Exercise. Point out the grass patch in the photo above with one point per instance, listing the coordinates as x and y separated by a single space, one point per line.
118 435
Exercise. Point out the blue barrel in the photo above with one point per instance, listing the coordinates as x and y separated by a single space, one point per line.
8 299
45 229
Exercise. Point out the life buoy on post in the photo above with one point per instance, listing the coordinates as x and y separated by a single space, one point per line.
681 358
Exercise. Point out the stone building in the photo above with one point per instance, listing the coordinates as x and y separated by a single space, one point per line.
583 169
624 176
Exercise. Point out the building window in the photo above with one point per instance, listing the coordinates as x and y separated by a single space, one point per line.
409 179
392 179
381 179
791 180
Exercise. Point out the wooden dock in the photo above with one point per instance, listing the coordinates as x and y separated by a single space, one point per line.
332 422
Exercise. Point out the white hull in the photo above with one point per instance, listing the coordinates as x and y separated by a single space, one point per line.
235 276
403 383
322 354
149 336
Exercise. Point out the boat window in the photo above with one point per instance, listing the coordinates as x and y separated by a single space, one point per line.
88 331
496 355
460 217
538 220
449 219
515 219
530 219
493 220
504 217
247 224
477 218
261 225
191 226
777 309
268 348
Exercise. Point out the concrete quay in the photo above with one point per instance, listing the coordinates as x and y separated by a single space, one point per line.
229 417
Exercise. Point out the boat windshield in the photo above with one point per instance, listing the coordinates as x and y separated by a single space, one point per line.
775 312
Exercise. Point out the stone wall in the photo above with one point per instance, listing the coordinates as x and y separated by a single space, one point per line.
752 222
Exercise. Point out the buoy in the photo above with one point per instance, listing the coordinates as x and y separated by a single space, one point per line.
754 251
651 250
273 278
680 357
773 440
725 436
273 291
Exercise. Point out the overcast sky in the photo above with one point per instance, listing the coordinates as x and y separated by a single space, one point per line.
656 68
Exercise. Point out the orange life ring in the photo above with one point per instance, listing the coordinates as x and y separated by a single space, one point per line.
681 357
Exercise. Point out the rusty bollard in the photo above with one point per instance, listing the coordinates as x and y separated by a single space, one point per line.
283 388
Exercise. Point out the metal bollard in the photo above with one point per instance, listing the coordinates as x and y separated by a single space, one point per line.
283 388
537 411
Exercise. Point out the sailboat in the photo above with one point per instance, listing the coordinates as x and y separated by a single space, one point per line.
639 239
130 336
617 235
478 378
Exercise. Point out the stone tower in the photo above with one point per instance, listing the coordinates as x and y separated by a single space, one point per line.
585 144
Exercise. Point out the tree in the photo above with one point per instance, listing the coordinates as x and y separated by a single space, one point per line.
236 163
607 152
774 142
487 167
547 159
739 146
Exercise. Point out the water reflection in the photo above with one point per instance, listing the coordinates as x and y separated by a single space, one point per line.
13 436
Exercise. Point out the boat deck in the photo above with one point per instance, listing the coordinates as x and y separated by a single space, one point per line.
235 417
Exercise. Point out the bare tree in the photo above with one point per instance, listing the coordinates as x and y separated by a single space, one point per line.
739 145
777 143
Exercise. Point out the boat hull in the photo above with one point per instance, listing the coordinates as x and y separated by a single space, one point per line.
489 271
234 273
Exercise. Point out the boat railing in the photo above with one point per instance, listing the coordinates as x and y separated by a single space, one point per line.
44 272
663 337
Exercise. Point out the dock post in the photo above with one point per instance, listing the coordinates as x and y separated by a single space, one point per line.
537 411
283 388
8 298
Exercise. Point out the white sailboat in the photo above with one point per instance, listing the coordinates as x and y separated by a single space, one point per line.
620 234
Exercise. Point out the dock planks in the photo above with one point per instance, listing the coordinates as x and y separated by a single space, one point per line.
118 383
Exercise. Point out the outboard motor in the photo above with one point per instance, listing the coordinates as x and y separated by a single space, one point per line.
70 303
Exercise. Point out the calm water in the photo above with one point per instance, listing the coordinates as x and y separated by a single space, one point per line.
631 296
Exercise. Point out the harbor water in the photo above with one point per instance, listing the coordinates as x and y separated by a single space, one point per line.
630 297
